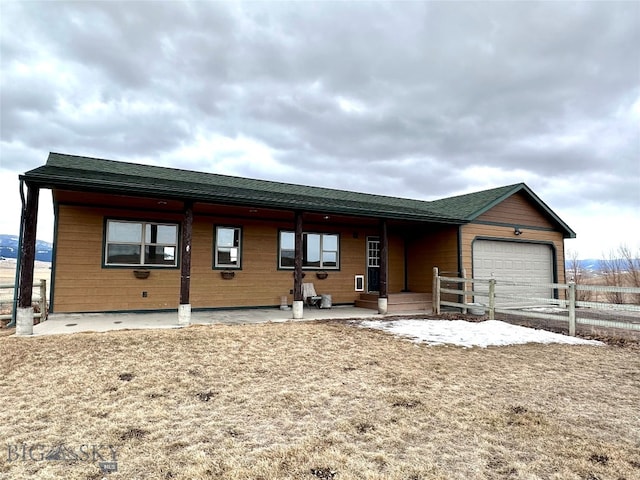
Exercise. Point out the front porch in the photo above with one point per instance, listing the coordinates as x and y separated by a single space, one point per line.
62 323
398 302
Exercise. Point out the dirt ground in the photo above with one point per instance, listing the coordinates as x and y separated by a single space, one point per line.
317 400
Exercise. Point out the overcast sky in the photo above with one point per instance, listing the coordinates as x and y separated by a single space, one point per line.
411 99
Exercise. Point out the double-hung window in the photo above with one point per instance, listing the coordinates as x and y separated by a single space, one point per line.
319 250
227 249
141 244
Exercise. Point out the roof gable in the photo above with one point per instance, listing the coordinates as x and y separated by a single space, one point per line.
517 209
472 205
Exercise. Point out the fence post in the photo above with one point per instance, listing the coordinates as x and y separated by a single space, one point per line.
492 299
464 289
436 292
572 309
44 308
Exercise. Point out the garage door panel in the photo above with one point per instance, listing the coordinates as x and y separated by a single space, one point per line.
516 262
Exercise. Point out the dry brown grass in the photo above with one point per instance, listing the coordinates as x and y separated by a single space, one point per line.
41 270
319 401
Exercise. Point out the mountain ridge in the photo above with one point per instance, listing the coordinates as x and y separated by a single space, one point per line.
9 248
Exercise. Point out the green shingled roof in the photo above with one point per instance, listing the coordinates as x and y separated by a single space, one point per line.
93 174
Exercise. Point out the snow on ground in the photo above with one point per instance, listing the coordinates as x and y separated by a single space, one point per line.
471 334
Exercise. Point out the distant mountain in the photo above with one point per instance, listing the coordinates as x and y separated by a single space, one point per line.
588 265
593 265
9 248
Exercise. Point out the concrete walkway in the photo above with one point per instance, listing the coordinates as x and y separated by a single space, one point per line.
103 322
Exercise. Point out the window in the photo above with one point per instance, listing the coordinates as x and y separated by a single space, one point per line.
319 250
141 243
227 247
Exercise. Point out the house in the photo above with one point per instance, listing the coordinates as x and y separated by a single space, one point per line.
132 237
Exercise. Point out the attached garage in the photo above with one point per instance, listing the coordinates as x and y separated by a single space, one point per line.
518 262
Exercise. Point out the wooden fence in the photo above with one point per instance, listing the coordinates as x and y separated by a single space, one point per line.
522 299
7 301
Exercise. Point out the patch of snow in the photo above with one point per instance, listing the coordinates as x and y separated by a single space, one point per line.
471 334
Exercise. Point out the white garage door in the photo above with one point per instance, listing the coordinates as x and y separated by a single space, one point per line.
517 262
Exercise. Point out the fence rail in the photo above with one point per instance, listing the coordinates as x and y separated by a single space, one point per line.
491 296
7 300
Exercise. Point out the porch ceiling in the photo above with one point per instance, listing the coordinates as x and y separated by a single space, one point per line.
168 206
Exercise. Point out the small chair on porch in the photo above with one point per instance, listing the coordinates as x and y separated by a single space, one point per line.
310 296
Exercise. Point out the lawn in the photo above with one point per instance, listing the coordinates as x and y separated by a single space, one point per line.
314 400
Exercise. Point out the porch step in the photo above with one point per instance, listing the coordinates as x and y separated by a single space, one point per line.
397 302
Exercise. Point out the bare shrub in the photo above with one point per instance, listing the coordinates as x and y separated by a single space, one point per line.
632 268
612 268
621 268
579 276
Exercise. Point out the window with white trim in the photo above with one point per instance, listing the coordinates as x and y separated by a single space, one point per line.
141 244
227 249
319 250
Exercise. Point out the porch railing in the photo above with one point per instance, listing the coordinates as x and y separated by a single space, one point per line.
40 304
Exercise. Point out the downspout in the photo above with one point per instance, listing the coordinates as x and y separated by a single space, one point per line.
16 285
52 283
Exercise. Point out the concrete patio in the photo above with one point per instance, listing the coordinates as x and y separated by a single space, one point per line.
102 322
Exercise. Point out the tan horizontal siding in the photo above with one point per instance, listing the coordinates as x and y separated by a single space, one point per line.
516 209
395 264
82 284
438 248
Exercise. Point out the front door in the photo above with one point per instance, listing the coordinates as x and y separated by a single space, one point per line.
373 264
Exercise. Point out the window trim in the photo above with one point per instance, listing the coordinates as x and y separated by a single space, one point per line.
214 259
142 244
308 268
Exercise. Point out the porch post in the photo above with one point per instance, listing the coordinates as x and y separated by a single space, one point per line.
384 246
24 314
184 310
298 301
